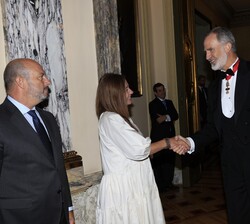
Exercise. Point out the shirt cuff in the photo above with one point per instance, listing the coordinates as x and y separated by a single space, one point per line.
168 118
71 208
192 145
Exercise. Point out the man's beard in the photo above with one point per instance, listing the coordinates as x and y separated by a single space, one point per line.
220 62
40 96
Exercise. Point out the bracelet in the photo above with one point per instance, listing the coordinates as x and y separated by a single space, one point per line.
167 143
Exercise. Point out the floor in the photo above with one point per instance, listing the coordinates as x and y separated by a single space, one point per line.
203 203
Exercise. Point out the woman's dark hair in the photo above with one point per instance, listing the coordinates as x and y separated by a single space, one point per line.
110 95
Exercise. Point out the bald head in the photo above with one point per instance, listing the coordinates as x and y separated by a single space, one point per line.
26 82
17 67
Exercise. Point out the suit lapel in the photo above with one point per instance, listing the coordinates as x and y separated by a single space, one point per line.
48 123
22 125
49 128
219 106
241 88
162 108
214 102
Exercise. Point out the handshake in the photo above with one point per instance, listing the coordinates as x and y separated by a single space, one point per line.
179 144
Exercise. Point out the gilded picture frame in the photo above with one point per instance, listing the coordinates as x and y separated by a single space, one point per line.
128 24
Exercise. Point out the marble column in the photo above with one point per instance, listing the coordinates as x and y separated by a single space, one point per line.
107 36
34 29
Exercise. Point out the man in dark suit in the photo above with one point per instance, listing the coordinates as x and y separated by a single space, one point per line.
229 121
162 114
33 182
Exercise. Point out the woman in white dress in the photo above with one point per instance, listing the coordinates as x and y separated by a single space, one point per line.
128 193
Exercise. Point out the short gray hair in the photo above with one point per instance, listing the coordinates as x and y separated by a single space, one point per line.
224 35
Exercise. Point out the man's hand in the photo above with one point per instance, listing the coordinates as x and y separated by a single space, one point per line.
71 217
160 118
179 144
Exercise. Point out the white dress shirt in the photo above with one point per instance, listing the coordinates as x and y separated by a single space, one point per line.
24 110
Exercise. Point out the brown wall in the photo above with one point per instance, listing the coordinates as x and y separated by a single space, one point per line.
215 18
241 33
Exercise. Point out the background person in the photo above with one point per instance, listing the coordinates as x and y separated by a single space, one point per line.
163 115
202 93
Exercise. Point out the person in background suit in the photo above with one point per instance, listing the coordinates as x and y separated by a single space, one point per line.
33 182
229 121
202 93
162 114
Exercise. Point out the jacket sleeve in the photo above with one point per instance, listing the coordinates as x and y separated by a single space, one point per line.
172 112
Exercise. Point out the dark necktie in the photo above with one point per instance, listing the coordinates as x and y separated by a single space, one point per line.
165 104
204 93
41 131
229 72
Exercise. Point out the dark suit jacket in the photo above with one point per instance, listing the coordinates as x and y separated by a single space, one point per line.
165 129
203 104
32 187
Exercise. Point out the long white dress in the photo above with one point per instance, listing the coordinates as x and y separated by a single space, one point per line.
128 193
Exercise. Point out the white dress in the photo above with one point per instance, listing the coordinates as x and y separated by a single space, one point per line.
128 193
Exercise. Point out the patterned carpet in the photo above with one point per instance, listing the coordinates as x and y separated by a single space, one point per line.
203 203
